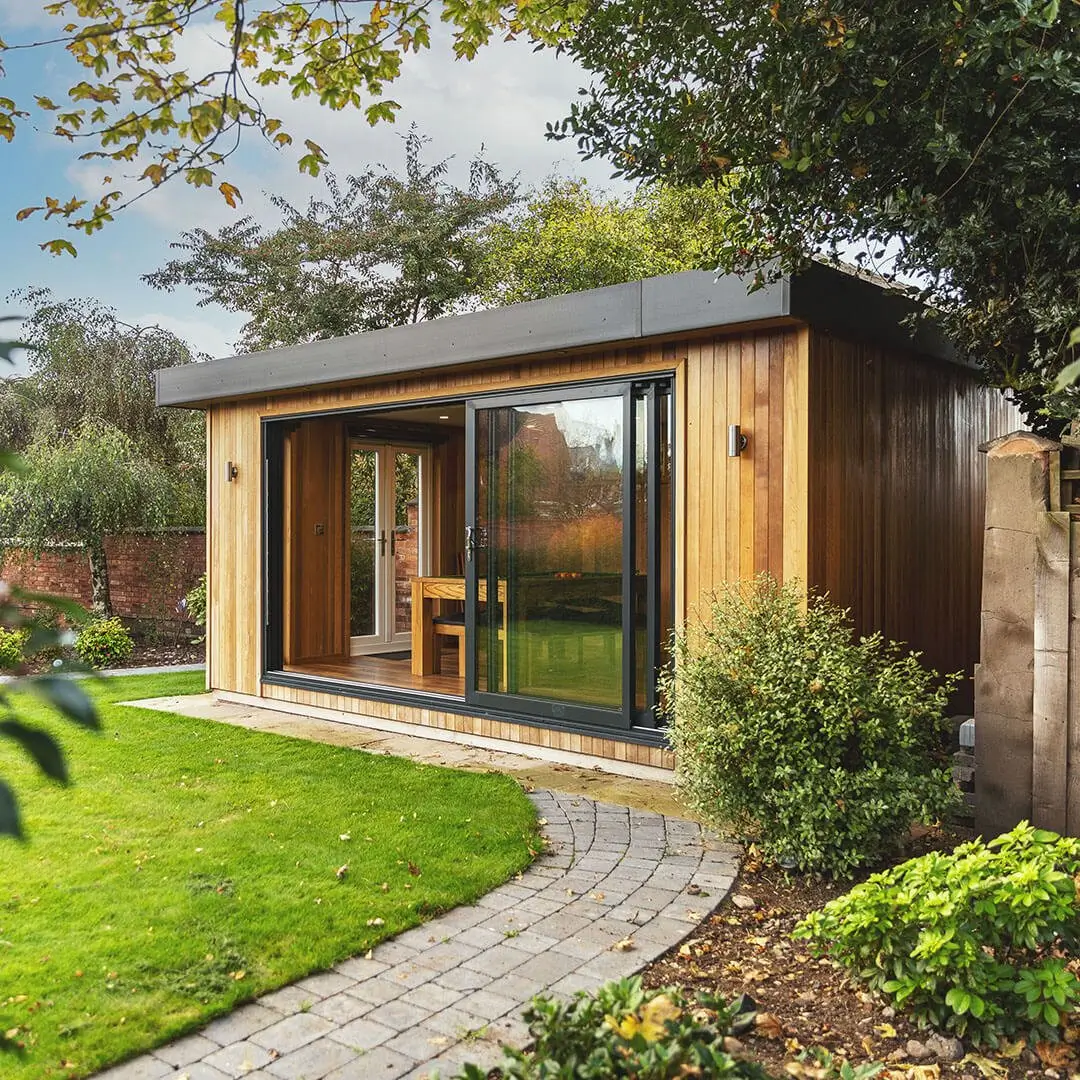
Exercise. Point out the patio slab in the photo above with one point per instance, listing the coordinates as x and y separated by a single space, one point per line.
429 1030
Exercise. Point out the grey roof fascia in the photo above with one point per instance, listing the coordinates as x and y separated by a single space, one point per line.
574 320
699 299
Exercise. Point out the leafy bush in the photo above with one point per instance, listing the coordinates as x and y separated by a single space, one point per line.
625 1031
12 643
195 603
971 940
104 643
825 749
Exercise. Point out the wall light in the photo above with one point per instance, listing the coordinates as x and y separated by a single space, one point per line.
231 472
736 440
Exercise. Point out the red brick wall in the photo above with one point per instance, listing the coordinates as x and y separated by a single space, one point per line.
147 573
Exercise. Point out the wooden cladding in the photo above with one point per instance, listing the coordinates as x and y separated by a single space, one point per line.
861 476
745 515
233 537
316 541
897 492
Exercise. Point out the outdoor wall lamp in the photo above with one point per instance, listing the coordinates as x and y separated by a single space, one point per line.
231 472
736 440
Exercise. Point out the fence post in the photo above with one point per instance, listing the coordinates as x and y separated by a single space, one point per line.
1017 500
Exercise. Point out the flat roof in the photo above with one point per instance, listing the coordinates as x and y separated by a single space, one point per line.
619 314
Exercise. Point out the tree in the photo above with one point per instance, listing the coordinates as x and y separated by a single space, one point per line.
85 364
942 135
83 486
568 237
137 105
383 250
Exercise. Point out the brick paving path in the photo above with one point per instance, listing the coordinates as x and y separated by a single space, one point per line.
452 990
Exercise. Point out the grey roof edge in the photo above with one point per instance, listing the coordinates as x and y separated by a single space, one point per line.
676 303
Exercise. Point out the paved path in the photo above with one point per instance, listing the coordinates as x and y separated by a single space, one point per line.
451 990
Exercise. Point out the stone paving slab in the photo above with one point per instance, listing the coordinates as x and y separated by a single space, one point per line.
452 990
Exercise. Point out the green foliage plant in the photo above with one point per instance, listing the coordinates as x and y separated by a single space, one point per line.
823 748
12 644
195 603
625 1032
973 941
104 643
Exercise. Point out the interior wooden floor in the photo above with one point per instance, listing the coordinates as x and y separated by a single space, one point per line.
383 671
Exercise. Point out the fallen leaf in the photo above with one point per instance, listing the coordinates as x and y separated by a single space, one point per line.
868 1045
625 945
344 836
886 1031
1054 1055
414 870
1012 1050
990 1069
376 922
766 1025
341 871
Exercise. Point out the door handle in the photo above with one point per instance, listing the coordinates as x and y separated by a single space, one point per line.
382 542
470 544
393 541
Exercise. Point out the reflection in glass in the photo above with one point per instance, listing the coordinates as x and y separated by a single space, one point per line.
363 507
550 508
406 535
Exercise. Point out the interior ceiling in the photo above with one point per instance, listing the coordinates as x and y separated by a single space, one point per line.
436 415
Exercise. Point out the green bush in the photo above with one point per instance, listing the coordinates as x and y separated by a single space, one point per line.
104 643
625 1031
822 748
12 644
195 604
972 941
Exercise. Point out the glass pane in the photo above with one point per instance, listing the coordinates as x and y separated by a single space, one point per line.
406 535
363 507
551 511
641 553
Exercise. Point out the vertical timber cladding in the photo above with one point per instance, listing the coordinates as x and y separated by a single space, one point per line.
734 517
745 515
897 489
234 620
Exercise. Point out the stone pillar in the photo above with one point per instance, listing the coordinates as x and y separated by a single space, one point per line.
1017 498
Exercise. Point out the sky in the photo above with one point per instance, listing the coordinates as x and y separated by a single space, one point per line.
501 101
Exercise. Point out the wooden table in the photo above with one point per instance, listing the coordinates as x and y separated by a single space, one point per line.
424 591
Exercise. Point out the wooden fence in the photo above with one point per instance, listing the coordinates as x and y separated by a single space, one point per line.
1027 684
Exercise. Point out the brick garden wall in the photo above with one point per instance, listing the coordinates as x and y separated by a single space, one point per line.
148 573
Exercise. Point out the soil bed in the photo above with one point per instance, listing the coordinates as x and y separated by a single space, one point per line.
804 1002
145 654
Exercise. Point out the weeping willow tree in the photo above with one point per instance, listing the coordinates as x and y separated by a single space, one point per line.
99 457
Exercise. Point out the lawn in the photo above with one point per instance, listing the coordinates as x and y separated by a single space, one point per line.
193 865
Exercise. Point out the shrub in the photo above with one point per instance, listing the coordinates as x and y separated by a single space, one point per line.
970 941
12 644
195 604
823 748
625 1031
104 643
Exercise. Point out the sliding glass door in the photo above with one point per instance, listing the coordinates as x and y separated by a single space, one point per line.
565 558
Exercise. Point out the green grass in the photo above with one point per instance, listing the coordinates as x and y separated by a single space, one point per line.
193 865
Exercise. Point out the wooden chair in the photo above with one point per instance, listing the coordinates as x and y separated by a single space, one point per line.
450 626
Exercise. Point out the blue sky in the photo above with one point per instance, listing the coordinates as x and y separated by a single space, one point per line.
501 100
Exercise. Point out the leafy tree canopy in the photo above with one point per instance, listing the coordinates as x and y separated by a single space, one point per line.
568 237
138 108
84 485
942 134
381 250
86 364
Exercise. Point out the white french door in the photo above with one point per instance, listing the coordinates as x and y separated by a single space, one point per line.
389 491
